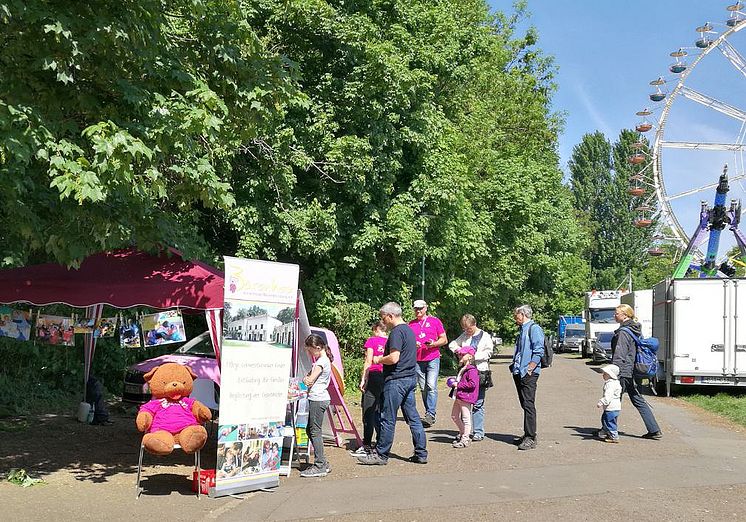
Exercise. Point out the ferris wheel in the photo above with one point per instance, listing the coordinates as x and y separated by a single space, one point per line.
701 124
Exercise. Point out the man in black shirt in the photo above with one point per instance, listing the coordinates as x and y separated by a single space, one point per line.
399 361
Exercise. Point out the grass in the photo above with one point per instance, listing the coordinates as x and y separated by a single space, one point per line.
732 406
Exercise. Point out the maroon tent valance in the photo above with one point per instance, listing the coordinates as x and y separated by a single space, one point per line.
119 278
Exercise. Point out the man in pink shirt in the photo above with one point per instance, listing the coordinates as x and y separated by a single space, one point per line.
430 336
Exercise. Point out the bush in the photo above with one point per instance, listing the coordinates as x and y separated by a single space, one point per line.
353 371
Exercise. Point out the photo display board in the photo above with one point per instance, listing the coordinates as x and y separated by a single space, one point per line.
259 317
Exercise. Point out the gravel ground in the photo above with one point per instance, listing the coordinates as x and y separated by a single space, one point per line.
696 472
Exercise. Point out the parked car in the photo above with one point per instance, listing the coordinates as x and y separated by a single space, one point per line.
602 346
196 353
199 355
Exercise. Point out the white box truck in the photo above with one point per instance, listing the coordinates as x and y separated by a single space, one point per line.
641 302
599 318
701 327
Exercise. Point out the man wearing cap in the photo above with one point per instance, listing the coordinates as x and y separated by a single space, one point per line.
430 336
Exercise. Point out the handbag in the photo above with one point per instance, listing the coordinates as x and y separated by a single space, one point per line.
485 379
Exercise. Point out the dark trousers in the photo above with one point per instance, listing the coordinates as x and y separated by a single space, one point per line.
314 430
638 401
399 393
372 407
526 387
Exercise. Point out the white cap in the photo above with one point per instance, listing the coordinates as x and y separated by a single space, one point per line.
419 303
612 370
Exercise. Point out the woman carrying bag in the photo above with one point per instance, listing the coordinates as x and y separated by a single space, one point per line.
483 346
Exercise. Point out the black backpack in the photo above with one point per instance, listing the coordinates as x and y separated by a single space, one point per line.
546 359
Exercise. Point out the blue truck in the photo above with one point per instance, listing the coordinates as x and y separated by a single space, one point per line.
568 339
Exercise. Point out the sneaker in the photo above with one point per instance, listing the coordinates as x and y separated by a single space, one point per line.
527 444
328 469
313 471
612 440
428 420
418 460
519 440
477 438
656 435
602 434
462 443
372 459
362 450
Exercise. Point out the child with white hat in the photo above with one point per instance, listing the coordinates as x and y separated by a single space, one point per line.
611 402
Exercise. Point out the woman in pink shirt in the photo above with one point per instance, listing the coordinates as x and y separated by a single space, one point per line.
371 384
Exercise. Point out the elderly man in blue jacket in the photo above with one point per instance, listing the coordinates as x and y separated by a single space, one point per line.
529 347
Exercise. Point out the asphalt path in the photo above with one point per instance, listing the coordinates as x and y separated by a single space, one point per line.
696 472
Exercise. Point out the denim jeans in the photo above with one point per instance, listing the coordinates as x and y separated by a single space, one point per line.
316 411
477 414
638 401
427 378
608 421
399 393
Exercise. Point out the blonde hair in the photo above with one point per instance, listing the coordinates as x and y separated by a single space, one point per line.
468 319
626 310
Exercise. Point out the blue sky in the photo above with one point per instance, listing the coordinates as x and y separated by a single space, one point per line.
608 52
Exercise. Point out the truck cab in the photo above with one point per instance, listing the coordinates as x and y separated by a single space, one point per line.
600 306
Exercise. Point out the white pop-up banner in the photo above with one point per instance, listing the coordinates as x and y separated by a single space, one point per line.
258 323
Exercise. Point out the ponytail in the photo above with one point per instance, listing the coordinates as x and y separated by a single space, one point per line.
316 341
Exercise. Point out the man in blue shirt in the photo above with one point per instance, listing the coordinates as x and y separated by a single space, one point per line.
526 366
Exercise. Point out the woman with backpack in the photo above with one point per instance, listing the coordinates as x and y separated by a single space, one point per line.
624 349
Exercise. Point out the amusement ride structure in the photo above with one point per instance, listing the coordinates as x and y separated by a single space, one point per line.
655 192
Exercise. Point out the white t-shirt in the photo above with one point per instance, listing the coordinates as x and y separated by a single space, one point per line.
319 392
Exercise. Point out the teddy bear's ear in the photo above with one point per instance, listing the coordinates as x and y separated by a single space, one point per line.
191 372
150 374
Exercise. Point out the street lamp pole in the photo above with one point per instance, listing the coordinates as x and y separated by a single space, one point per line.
423 277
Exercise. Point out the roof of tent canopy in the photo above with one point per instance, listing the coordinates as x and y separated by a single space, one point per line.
120 278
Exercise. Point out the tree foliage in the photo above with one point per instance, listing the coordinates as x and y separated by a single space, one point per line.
118 120
600 179
352 138
427 133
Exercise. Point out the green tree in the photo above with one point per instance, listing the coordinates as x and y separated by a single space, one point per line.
600 179
427 132
286 315
119 120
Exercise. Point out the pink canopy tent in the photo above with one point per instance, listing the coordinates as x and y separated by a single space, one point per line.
123 279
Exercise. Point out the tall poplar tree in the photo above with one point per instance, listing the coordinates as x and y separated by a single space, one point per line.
600 179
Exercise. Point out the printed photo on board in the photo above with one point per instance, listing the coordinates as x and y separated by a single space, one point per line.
15 323
129 334
54 329
163 328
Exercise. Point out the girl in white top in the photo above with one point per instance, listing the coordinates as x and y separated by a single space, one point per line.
317 381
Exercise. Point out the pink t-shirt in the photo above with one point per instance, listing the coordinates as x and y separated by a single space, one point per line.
170 416
377 344
427 329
